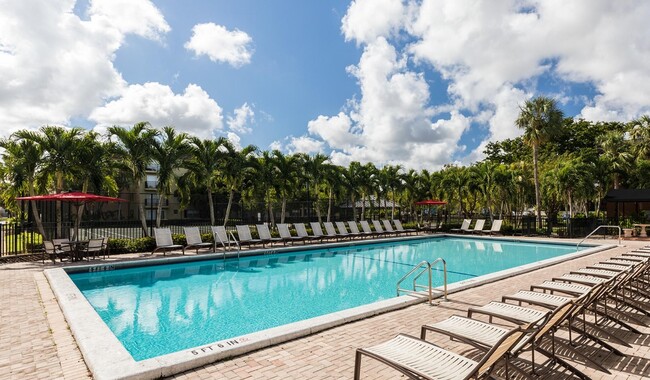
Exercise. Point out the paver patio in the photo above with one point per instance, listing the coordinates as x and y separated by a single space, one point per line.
35 342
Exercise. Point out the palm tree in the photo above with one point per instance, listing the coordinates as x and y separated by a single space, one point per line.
352 184
21 161
640 135
368 183
134 152
171 152
59 160
333 177
540 118
286 171
483 173
265 180
315 168
234 166
616 154
393 182
206 158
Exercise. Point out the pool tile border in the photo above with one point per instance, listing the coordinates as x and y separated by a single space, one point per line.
108 359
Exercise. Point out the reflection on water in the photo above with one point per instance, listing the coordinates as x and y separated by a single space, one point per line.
161 309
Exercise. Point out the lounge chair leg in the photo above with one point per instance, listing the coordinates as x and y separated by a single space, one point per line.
357 365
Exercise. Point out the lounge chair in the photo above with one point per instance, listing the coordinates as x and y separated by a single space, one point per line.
285 234
400 228
301 231
419 359
367 230
245 237
194 241
318 231
389 227
463 227
495 228
343 231
355 229
221 237
330 231
164 241
265 235
51 250
478 227
378 228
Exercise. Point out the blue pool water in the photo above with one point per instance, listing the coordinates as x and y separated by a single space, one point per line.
155 310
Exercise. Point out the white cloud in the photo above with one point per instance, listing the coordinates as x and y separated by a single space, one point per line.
220 44
243 116
193 111
305 144
55 66
366 20
275 145
235 140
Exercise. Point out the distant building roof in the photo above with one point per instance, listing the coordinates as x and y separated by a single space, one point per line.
628 195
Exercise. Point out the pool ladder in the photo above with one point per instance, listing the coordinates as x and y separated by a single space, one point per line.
424 267
230 242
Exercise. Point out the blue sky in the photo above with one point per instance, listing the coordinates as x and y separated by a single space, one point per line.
415 83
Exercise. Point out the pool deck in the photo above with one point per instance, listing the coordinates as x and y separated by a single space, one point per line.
35 341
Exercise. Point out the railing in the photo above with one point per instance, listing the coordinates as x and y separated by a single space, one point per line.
424 266
597 228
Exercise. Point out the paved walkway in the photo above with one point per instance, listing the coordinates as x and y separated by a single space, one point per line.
35 341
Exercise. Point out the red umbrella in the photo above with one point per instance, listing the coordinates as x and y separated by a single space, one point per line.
78 198
430 202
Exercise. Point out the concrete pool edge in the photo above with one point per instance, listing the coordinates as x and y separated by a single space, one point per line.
108 359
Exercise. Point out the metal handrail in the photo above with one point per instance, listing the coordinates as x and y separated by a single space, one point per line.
418 266
444 271
597 228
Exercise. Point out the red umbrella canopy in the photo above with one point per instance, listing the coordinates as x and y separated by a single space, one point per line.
430 202
77 197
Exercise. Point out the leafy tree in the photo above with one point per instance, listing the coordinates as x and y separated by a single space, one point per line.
170 151
616 155
286 170
234 169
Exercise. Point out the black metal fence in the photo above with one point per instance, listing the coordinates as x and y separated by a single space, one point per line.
23 237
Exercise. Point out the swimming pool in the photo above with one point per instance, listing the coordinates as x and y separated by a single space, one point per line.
157 310
107 357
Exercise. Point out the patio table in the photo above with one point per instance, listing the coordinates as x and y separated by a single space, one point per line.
76 248
643 229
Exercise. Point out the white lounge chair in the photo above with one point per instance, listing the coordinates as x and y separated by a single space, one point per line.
164 241
265 235
389 227
331 231
365 226
193 239
496 227
318 231
463 227
245 237
478 227
379 230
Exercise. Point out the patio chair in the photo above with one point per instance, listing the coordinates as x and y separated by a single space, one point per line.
285 234
95 247
463 227
419 359
495 229
245 237
478 227
400 228
194 241
365 226
164 241
343 231
221 237
389 228
265 235
50 250
355 229
301 231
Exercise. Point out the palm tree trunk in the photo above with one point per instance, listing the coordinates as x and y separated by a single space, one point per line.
538 201
230 198
211 204
354 208
161 199
329 206
143 217
392 209
284 209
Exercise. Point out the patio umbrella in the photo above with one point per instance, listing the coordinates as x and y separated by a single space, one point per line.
76 199
430 202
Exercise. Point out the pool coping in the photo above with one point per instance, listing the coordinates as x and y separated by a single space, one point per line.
108 359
